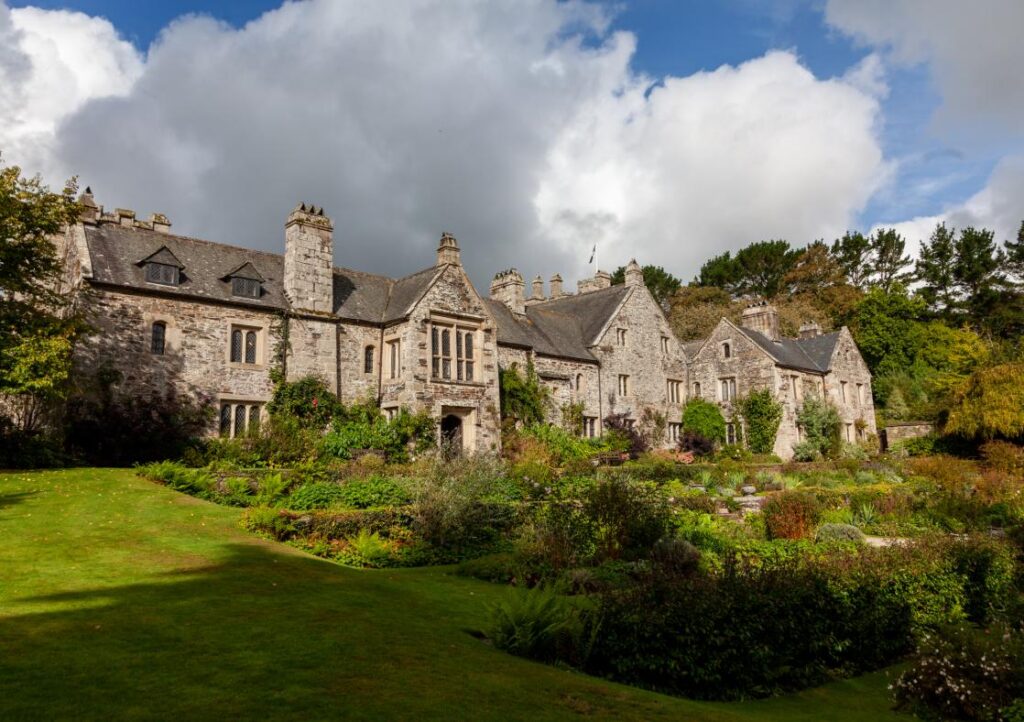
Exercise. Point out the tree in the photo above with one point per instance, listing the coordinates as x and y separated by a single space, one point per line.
1015 255
989 404
934 269
815 271
976 270
704 418
659 282
524 399
696 310
720 271
853 253
36 333
885 328
756 270
888 259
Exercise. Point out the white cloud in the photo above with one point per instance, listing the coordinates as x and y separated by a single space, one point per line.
52 63
973 50
520 126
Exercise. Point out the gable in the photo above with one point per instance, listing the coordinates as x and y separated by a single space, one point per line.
449 290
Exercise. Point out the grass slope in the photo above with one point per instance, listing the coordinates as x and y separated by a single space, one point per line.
120 599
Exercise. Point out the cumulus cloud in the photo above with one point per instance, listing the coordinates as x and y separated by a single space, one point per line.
972 48
519 126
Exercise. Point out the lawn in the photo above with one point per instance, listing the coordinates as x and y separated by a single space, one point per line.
120 599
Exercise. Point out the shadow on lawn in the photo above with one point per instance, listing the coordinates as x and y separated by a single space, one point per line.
259 635
15 498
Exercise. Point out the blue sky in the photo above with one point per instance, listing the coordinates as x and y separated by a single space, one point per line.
938 144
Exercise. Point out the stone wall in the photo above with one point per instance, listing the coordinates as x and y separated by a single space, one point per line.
356 385
856 406
642 359
895 433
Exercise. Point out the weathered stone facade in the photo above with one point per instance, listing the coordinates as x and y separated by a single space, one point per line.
205 319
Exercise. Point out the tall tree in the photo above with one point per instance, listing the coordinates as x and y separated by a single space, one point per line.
720 271
934 269
815 270
889 260
659 282
763 265
1015 255
853 253
977 270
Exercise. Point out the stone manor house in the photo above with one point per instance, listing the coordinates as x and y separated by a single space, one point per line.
203 318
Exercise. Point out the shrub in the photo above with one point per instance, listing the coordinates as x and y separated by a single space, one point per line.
315 495
307 400
964 673
373 491
499 568
622 427
196 482
523 397
371 549
271 489
701 446
1003 456
267 522
839 532
704 418
628 516
373 431
763 415
819 421
806 451
790 514
536 623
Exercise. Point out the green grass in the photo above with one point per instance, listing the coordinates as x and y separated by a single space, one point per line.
120 599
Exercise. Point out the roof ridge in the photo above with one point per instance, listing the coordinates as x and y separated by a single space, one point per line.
193 239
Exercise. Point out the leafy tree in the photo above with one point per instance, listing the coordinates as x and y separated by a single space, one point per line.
853 253
820 423
977 270
934 269
989 404
307 399
721 271
659 282
523 397
36 334
696 310
884 327
762 414
888 259
756 270
815 271
704 418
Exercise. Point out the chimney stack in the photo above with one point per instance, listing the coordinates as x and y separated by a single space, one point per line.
90 212
601 279
448 251
160 223
538 290
810 329
763 318
508 287
634 274
125 217
556 286
309 259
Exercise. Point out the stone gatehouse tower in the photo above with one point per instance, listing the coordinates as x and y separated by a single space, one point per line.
212 320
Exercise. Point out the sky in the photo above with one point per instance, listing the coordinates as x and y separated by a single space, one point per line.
533 130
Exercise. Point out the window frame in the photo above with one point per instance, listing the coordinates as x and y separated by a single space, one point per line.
727 349
665 345
368 361
158 348
239 284
727 388
674 391
250 345
394 355
162 274
250 413
623 385
621 337
453 352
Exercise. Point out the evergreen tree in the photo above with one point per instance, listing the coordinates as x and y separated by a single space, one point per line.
853 253
977 271
659 282
934 269
888 259
1015 255
721 271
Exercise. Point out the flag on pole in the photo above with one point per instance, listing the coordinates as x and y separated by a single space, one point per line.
592 252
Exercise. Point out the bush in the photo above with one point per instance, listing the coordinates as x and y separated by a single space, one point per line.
763 415
623 428
307 400
196 482
700 446
499 568
790 514
628 516
806 451
370 548
839 532
704 418
373 491
964 673
537 624
820 423
315 495
1003 456
267 522
393 437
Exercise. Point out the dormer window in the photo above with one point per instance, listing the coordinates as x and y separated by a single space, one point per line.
162 267
162 273
246 281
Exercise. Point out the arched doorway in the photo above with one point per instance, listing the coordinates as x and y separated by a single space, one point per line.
451 435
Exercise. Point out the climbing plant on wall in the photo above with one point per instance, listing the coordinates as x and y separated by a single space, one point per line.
762 414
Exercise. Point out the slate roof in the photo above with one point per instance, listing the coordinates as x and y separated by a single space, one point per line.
589 311
117 253
806 354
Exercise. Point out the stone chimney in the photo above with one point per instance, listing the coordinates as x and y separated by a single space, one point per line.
556 286
634 274
508 287
125 217
160 223
601 279
763 318
810 329
538 289
448 251
309 259
90 212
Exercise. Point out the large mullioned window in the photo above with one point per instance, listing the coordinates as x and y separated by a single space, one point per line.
452 352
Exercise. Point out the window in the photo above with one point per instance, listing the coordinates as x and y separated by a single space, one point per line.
390 413
162 273
794 382
620 336
244 345
589 427
664 345
726 350
673 432
675 391
728 389
696 389
730 433
623 385
842 391
860 394
245 287
849 432
579 382
395 358
368 360
453 352
157 341
238 416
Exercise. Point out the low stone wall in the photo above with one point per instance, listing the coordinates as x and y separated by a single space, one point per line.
894 433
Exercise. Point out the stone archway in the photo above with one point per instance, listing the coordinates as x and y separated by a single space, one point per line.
451 435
